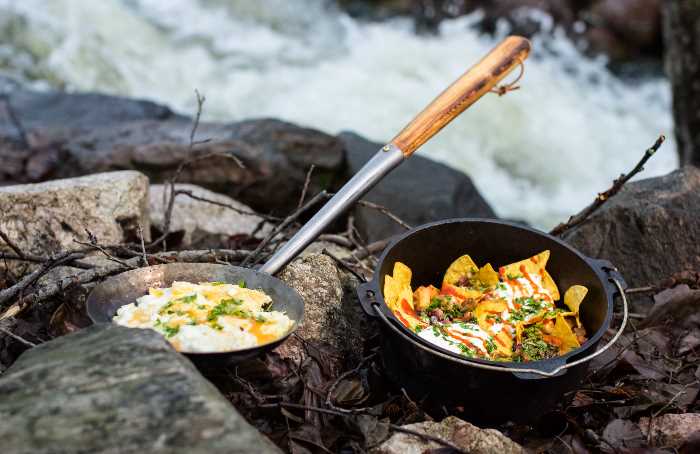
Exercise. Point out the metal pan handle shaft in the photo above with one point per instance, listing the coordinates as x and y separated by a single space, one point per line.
464 92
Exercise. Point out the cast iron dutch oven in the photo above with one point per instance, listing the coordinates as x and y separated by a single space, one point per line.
107 297
489 391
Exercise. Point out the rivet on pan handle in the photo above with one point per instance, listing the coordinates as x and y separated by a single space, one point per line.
519 370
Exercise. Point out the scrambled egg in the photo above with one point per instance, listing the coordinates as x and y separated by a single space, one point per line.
207 317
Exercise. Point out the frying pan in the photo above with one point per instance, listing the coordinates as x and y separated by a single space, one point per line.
107 297
490 391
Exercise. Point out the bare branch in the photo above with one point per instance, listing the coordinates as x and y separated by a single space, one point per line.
253 257
307 181
612 191
11 244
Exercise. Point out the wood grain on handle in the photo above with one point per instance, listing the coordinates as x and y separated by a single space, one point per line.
464 92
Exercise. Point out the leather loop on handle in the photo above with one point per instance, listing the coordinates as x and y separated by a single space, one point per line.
464 92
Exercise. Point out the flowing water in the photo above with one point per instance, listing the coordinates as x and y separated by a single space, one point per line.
540 153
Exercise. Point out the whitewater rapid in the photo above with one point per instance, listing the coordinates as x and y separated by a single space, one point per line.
539 153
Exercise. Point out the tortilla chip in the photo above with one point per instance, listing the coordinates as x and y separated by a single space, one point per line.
565 334
488 276
392 288
402 273
572 299
519 333
533 265
460 268
486 308
406 294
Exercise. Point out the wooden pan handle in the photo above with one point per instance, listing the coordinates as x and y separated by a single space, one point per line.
464 92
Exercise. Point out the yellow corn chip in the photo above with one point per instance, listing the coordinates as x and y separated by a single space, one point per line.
534 265
402 273
488 276
565 334
460 268
573 297
392 288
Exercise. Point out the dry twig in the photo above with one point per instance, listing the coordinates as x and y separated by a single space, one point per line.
97 273
254 257
9 293
603 197
307 181
11 244
393 427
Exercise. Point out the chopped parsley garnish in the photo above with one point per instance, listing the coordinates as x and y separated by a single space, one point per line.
228 307
418 329
528 307
534 347
501 286
217 283
241 283
495 318
490 346
466 351
186 299
170 331
216 326
512 277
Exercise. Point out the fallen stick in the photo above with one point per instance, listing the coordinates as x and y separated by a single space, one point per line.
84 277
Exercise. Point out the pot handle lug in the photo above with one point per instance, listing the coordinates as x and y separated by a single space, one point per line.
612 273
367 294
521 372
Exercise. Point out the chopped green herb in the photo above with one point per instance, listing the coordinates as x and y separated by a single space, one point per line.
216 326
490 346
513 276
534 348
186 299
217 283
228 307
466 351
418 329
170 331
241 283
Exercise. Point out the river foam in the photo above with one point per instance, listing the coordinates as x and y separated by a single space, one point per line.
539 153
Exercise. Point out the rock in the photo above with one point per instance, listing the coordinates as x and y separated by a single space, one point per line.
621 434
637 22
649 230
70 135
44 218
671 430
203 224
328 317
111 389
453 430
418 191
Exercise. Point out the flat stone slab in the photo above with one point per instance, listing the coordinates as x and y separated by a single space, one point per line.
109 389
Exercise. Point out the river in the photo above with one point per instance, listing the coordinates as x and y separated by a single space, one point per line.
539 153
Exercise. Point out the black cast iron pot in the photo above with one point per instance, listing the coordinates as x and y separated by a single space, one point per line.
489 391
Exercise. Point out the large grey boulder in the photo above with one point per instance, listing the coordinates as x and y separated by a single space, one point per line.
201 223
418 191
109 389
70 135
649 230
44 218
453 430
